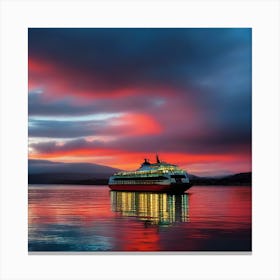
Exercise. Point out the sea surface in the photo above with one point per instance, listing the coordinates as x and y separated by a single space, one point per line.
72 218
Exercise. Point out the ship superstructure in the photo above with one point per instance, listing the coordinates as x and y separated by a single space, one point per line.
159 176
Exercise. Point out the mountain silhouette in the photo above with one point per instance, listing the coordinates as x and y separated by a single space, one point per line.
49 172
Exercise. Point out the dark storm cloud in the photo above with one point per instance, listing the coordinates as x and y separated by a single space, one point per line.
214 144
63 129
116 58
38 106
53 146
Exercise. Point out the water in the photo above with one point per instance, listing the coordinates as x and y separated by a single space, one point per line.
93 218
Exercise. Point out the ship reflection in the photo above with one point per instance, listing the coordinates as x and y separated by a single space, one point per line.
153 208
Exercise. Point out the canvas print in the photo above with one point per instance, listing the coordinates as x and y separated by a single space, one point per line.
139 139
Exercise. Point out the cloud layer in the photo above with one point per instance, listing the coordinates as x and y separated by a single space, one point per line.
110 94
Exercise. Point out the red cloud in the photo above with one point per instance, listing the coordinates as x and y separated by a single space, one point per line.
134 124
59 81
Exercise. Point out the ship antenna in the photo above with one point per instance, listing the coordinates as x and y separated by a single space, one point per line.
158 161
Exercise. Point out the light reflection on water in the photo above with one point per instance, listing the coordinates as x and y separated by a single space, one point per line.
153 208
91 218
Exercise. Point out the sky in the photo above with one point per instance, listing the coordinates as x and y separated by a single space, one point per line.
114 96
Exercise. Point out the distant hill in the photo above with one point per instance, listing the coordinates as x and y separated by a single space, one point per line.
49 172
236 179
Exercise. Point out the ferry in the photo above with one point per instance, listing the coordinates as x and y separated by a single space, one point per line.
152 177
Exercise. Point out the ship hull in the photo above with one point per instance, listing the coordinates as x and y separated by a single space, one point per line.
174 188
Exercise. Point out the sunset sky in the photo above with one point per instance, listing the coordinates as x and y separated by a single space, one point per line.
115 96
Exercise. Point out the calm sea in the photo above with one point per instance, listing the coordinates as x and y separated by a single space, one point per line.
93 218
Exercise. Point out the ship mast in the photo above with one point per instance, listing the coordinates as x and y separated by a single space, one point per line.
158 161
